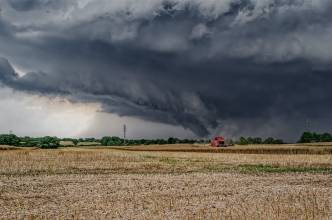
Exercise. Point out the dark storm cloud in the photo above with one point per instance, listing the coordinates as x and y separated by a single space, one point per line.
7 72
198 64
25 5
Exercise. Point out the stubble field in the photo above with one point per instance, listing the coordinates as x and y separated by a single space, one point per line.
81 183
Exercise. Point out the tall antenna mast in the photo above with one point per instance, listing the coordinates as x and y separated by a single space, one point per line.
124 133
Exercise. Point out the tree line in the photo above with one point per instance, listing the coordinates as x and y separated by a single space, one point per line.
55 142
116 141
313 137
306 137
258 140
42 142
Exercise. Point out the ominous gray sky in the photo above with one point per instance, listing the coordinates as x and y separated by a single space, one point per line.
181 68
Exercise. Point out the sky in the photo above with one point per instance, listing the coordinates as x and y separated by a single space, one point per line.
183 68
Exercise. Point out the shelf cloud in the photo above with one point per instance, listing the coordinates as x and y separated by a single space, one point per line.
205 65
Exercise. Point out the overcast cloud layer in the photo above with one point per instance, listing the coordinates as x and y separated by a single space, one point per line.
232 66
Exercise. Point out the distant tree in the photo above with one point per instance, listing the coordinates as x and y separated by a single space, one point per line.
149 142
161 141
106 141
278 141
9 139
257 140
326 137
142 141
307 137
49 142
171 140
269 140
75 141
243 141
316 137
28 142
312 137
111 141
250 140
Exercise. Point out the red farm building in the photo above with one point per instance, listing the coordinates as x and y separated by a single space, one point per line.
218 142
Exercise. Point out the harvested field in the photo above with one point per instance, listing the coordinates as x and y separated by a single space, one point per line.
78 183
91 161
325 148
185 196
5 147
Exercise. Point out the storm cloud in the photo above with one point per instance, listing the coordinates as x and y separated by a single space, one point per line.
210 66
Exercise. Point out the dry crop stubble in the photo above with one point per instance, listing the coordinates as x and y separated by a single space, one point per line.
166 196
283 149
73 160
75 183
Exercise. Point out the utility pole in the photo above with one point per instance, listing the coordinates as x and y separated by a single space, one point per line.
124 133
307 124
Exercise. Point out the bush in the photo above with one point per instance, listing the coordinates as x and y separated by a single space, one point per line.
243 141
258 140
271 140
9 139
312 137
49 142
111 141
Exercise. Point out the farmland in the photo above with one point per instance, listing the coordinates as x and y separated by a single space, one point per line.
166 182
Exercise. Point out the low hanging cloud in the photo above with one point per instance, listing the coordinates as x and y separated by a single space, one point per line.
205 65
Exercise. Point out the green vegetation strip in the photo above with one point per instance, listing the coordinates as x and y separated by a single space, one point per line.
246 168
210 168
276 169
256 169
311 151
